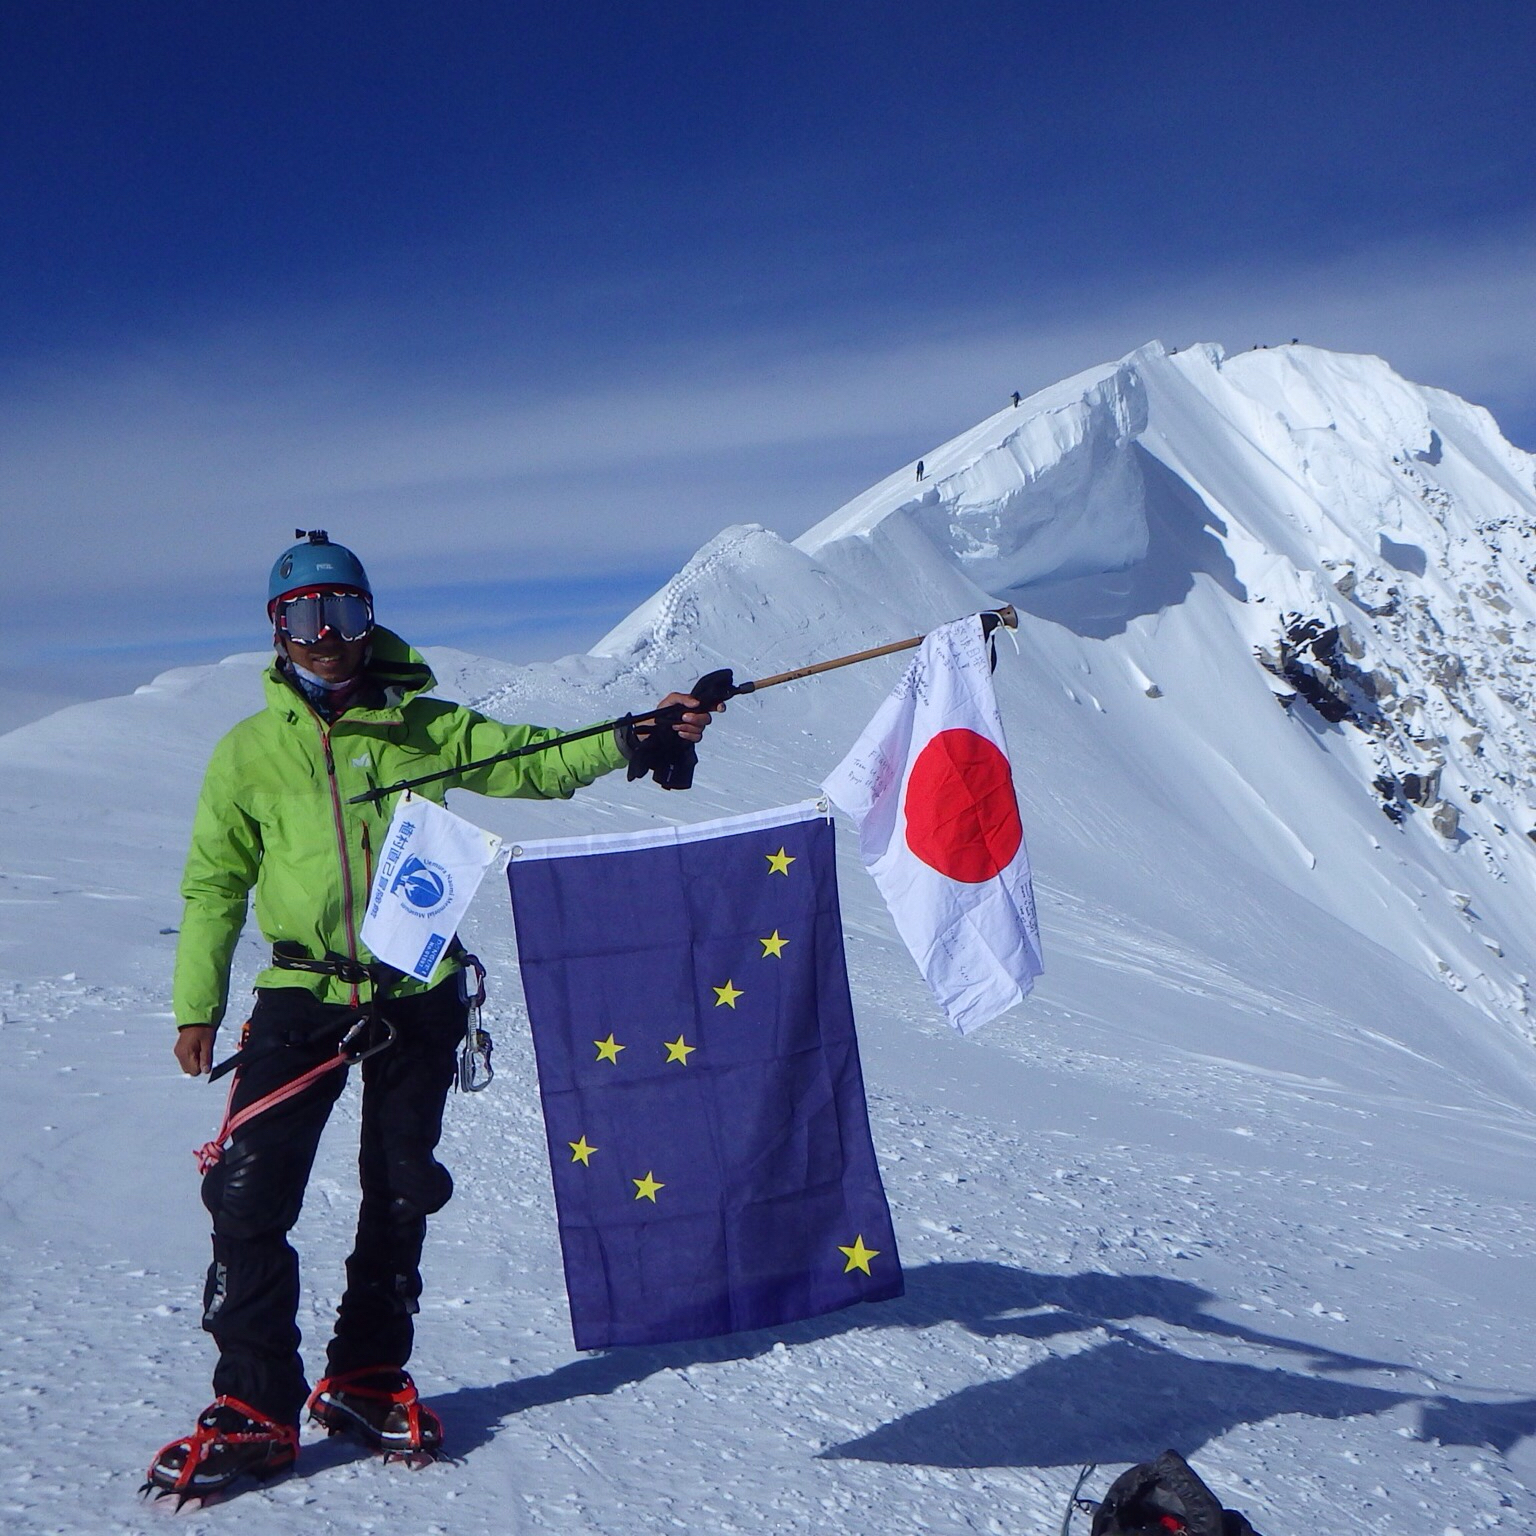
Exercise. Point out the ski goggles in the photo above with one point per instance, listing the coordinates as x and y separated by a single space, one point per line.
307 617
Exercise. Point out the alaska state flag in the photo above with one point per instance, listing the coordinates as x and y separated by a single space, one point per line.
700 1078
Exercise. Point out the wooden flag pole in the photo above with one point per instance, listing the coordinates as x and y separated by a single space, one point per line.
1007 617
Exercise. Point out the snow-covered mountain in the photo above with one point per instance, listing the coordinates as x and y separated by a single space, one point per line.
1192 538
1251 1172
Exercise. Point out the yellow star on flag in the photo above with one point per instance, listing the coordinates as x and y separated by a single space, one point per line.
858 1255
678 1050
581 1152
774 945
645 1189
778 863
608 1050
726 996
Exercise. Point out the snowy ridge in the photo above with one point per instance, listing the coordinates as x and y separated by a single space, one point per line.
1355 545
1045 490
1250 1174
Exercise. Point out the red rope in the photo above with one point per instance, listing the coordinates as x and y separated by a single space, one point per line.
211 1153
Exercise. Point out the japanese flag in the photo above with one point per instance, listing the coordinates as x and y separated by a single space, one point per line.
930 787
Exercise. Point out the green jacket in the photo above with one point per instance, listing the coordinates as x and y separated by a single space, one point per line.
273 815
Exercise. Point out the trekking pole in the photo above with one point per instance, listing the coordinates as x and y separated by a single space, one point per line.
712 689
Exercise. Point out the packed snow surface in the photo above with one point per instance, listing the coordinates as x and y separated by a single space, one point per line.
1250 1175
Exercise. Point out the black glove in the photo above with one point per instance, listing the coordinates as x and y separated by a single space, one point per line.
661 752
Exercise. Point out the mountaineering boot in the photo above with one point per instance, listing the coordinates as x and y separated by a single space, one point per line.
231 1440
378 1405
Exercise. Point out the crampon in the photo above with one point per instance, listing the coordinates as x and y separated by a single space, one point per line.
379 1406
231 1440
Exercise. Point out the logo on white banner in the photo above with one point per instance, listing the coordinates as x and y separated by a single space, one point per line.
427 886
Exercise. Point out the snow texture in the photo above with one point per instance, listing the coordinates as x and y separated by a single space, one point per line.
1249 1174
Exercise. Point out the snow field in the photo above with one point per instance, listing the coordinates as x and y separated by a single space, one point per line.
1250 1174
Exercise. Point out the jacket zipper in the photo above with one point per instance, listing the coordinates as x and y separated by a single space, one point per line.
346 862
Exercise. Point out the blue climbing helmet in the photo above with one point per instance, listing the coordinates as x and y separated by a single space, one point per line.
315 565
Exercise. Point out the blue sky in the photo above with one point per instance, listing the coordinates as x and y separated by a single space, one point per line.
525 302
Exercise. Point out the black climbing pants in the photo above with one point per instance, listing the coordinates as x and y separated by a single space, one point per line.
251 1299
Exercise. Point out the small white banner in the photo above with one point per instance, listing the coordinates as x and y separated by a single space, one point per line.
432 865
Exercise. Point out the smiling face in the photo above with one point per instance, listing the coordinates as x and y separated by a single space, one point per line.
330 658
325 631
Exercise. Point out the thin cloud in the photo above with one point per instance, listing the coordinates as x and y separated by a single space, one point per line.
187 466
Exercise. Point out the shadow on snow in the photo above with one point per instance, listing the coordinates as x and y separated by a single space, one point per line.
1183 540
1114 1402
1117 1400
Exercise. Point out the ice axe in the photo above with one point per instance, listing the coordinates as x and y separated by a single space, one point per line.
661 752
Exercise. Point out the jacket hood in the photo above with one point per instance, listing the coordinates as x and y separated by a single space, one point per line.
397 668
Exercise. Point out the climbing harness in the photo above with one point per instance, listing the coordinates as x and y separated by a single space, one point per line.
366 1035
289 956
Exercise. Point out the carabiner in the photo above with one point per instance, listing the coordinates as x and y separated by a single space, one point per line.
474 1065
475 1069
474 1000
353 1057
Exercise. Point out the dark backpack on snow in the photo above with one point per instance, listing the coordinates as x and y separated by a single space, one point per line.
1165 1498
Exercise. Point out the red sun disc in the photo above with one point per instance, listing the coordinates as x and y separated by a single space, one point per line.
962 816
